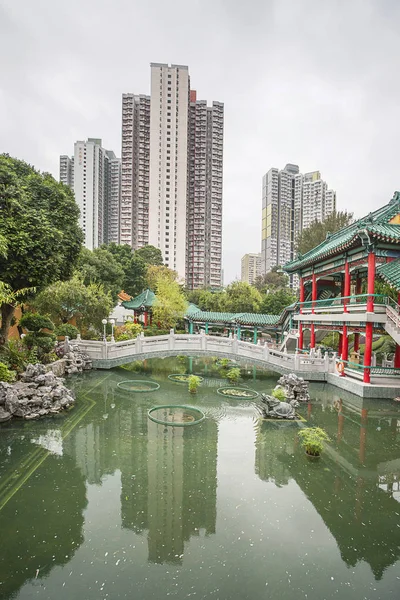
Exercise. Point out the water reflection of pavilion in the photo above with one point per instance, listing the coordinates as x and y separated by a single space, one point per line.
355 489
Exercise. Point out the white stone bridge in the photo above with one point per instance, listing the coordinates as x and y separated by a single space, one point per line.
106 355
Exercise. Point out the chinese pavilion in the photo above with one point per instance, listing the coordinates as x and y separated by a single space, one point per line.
346 267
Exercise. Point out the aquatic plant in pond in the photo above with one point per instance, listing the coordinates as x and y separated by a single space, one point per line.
279 393
312 440
194 383
233 375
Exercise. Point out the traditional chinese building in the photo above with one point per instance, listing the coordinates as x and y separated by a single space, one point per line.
346 267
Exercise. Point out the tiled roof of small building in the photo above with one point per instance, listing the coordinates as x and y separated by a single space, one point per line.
146 299
231 318
375 225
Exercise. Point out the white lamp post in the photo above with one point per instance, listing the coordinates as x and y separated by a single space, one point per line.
112 321
104 321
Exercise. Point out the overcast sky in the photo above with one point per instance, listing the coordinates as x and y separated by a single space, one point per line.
312 82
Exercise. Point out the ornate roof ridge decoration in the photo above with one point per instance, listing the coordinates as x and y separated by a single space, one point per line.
376 224
144 300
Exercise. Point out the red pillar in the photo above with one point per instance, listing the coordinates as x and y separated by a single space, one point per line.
363 434
370 309
340 346
397 352
301 298
145 318
356 342
313 298
135 317
346 286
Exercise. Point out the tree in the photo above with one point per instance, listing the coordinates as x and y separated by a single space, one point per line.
156 274
171 304
273 280
240 297
39 221
10 298
133 266
100 266
150 255
274 302
64 300
316 233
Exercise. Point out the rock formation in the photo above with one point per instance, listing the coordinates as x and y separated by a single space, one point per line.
295 388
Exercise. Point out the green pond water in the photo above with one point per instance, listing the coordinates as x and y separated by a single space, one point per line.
101 502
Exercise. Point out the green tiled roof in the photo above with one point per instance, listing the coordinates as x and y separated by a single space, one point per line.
231 318
145 299
192 310
390 272
375 225
257 319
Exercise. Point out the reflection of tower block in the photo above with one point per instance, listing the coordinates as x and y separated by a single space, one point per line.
165 492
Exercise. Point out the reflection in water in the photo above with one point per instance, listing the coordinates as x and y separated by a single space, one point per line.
168 474
355 485
104 501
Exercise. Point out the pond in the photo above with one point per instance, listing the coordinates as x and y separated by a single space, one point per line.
102 502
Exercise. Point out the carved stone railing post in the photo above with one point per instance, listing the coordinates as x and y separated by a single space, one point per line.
326 359
297 361
234 344
171 340
265 351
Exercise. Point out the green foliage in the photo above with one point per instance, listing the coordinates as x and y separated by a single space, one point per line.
6 374
194 383
223 362
89 304
233 375
17 356
241 297
133 266
101 266
154 330
274 302
170 305
383 345
36 322
40 224
150 255
273 280
279 393
316 233
43 342
66 329
128 331
312 440
134 329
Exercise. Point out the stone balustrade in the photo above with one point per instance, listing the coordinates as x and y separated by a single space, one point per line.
106 355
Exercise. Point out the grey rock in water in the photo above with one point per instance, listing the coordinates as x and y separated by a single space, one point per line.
272 408
295 387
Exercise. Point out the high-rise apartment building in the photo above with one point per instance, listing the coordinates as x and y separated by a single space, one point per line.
94 174
251 268
168 194
204 210
67 170
172 156
135 153
291 201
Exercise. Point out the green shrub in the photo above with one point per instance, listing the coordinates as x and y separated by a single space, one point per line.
134 329
312 439
6 374
66 329
44 342
279 393
194 383
233 375
36 322
16 355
